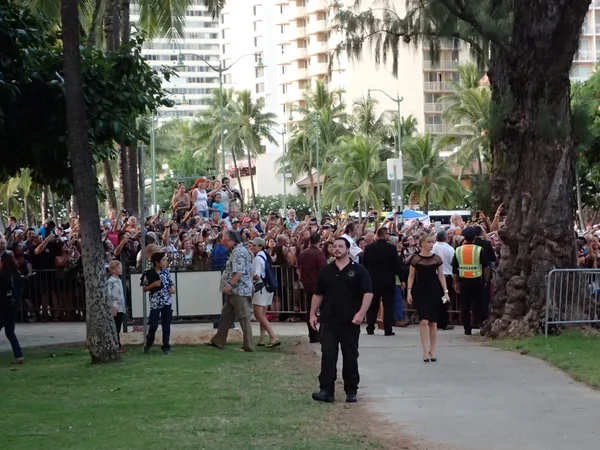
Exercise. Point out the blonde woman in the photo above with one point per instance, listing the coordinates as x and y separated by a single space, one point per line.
427 289
457 225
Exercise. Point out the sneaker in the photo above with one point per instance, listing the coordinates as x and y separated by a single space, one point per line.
323 396
351 397
167 351
146 349
18 361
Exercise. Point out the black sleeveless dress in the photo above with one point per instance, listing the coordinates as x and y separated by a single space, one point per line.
427 292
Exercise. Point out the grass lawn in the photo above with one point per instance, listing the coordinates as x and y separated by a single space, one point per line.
195 398
576 354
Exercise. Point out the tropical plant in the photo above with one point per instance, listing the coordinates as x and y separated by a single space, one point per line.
267 203
468 110
427 176
247 125
357 174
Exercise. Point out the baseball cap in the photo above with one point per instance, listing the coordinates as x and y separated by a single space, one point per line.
235 220
259 241
469 233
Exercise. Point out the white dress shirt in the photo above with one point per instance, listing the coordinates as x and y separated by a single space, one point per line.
446 252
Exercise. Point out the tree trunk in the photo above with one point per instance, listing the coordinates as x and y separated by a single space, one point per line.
579 202
251 179
110 185
426 205
532 161
239 179
125 8
93 33
111 25
101 331
132 203
313 197
44 203
479 164
52 205
74 206
124 179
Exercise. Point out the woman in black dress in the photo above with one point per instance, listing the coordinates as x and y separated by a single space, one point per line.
427 288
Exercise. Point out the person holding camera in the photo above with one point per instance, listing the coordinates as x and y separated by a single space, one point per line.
180 203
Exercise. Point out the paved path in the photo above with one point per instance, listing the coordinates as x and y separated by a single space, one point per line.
474 397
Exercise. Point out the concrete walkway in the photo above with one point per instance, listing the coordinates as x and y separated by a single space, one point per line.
474 397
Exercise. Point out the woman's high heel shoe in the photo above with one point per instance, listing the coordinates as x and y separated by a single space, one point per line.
425 360
432 359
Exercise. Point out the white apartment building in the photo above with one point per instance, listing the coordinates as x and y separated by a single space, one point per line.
192 89
589 45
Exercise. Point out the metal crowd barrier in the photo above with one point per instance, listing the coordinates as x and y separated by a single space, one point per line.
572 297
288 300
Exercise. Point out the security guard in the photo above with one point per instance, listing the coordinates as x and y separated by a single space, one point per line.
471 272
343 293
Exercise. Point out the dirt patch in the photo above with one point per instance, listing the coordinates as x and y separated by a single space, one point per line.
358 421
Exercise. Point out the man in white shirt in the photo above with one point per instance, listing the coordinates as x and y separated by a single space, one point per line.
446 252
350 234
292 221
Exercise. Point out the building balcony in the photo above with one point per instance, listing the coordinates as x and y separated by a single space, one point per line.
281 19
314 6
318 69
295 74
445 44
317 26
294 53
440 65
295 12
435 107
583 55
596 3
293 32
437 86
315 48
281 2
282 38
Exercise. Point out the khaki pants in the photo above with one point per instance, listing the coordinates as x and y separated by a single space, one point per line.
236 306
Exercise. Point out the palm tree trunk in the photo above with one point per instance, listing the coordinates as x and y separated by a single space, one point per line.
479 165
251 178
239 179
93 33
124 178
311 185
426 206
111 25
26 206
110 185
44 203
125 8
132 167
52 205
101 332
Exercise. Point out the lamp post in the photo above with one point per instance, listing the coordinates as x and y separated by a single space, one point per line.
316 118
398 100
220 70
282 134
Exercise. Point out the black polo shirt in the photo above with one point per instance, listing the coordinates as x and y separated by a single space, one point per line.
342 291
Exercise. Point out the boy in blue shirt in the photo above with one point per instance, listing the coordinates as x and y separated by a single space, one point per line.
218 206
158 282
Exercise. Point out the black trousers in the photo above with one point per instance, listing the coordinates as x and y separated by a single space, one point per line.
166 315
471 299
386 294
313 335
333 336
118 322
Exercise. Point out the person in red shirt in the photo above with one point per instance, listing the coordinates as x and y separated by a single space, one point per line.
310 262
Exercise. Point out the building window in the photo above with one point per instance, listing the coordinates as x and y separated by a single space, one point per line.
259 72
260 88
258 41
225 47
257 9
257 25
284 89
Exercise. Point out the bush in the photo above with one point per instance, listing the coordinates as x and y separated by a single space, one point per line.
267 203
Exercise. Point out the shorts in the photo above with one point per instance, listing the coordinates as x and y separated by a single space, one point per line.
262 298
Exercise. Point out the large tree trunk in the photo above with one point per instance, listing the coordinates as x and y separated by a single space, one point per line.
110 185
101 331
124 179
251 179
533 159
111 25
93 32
125 21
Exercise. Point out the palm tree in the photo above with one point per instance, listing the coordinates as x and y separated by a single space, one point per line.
426 175
247 126
469 111
357 174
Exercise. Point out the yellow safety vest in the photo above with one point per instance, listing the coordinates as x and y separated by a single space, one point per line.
469 261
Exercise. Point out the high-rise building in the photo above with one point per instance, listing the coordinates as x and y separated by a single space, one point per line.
192 89
589 45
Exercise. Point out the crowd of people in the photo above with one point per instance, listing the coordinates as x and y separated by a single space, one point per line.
192 235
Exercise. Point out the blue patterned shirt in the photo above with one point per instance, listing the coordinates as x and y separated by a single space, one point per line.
240 261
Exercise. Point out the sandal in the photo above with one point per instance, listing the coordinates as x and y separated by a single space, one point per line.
260 345
212 344
244 349
274 344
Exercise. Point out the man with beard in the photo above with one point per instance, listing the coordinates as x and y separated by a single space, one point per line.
343 293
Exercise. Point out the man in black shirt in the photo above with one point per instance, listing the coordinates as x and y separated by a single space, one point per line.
343 293
382 261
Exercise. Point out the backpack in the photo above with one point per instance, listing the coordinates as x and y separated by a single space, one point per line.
270 278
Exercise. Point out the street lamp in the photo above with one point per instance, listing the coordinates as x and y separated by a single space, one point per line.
398 100
316 119
220 70
282 134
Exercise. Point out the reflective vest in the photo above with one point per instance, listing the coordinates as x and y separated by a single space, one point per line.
469 261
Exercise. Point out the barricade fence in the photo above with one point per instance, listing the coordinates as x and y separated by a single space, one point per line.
55 295
572 297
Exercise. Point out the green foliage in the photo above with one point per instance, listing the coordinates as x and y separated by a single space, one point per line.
427 177
300 203
118 87
479 196
357 174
